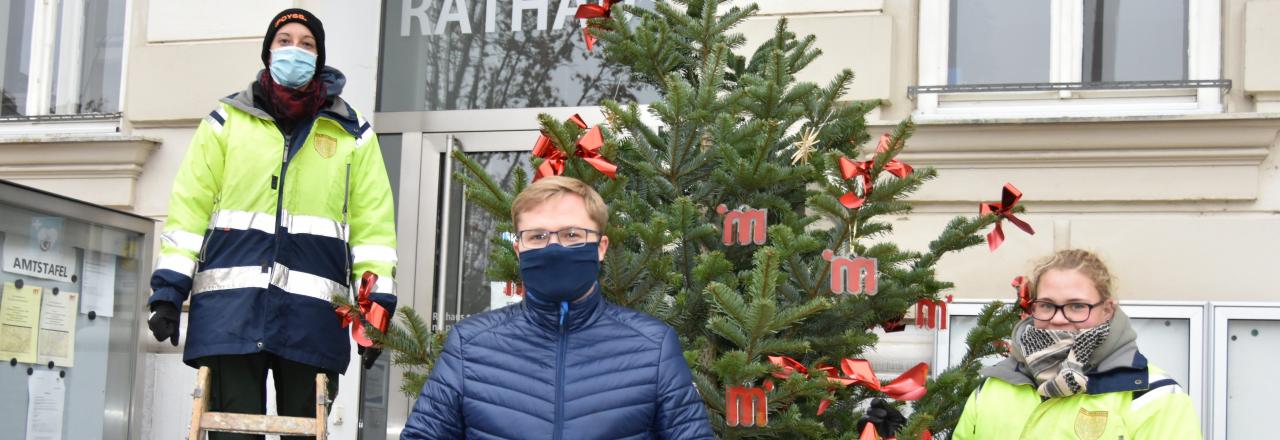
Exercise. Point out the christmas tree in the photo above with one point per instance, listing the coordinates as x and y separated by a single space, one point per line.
729 214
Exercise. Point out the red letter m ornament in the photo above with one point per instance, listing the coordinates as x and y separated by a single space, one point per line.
745 406
932 314
750 224
848 275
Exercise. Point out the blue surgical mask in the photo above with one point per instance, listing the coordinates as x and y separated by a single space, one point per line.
558 274
292 66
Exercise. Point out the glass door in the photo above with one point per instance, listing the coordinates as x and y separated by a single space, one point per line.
444 242
469 235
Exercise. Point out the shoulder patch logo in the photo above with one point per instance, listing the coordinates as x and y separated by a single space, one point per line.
1090 424
325 146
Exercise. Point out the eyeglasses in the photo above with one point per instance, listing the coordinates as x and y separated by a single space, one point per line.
1075 312
567 237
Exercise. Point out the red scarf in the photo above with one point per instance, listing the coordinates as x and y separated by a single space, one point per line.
294 104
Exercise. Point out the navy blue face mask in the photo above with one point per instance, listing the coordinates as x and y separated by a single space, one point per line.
558 274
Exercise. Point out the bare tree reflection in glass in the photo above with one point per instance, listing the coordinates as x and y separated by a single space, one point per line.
513 68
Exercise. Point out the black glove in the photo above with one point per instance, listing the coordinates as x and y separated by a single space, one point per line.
368 356
164 321
884 416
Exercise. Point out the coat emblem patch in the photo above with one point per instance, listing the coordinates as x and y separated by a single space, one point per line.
325 146
1090 424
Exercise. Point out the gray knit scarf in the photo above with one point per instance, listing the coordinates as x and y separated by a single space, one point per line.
1057 358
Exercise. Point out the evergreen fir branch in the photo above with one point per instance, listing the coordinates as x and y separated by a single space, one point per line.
793 315
731 331
736 368
960 233
714 267
764 279
789 346
728 301
412 346
412 383
938 410
499 201
828 206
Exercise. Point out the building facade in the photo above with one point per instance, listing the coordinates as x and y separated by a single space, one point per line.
1144 130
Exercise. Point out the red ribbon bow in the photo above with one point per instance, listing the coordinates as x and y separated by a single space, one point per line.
893 325
1004 210
1023 287
850 169
588 149
589 11
787 366
869 433
372 312
908 386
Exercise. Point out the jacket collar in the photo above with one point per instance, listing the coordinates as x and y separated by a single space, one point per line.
546 315
1121 366
337 109
1132 377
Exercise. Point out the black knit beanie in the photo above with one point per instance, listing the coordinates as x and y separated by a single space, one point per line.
294 15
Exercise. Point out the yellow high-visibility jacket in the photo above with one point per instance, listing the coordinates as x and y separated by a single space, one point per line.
264 228
1133 402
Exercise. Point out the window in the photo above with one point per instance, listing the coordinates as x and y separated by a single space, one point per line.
1134 40
1017 58
477 54
1019 53
1245 338
60 58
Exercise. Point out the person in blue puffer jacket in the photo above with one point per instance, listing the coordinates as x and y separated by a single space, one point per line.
564 363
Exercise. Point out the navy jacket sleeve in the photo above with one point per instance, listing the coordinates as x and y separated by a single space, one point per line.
681 414
437 414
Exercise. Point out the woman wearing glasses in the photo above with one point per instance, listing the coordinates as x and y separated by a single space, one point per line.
1075 371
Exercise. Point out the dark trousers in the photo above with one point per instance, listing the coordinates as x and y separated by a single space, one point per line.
238 384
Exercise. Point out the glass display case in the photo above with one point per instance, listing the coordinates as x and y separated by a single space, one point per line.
74 279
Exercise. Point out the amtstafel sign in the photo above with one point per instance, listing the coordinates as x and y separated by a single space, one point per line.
44 259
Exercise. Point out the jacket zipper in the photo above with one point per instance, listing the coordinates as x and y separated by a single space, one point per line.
560 355
342 232
275 240
301 132
300 135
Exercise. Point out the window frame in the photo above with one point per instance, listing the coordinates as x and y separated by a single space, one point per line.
48 19
1066 47
1222 313
1199 347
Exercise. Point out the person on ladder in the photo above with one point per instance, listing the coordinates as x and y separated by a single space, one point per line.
281 202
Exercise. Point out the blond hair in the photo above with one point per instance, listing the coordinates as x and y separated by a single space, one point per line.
1085 262
550 187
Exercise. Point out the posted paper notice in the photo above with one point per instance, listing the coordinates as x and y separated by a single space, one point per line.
19 316
98 294
58 329
46 399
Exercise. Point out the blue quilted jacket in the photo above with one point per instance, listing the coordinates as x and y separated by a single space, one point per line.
606 372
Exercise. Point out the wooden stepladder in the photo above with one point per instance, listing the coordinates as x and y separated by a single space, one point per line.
203 421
